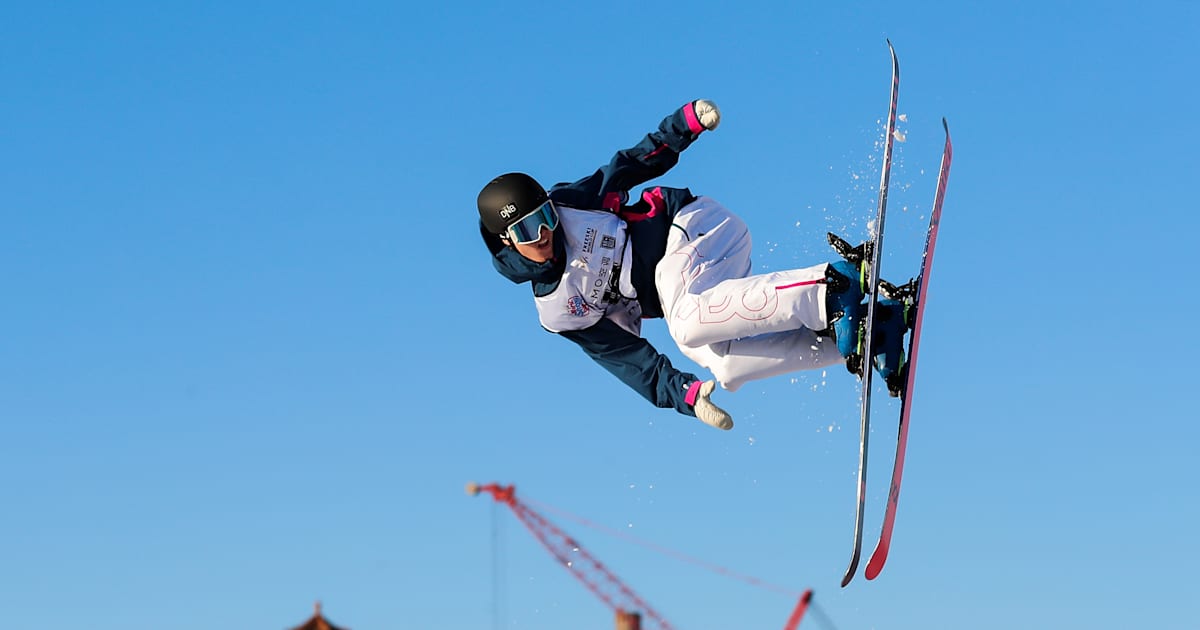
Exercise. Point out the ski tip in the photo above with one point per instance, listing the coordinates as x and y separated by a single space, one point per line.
945 125
878 557
875 566
850 572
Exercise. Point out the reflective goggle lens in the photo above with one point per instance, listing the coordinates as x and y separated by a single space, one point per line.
529 228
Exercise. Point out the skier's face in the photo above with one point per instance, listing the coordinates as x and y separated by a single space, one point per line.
533 234
540 250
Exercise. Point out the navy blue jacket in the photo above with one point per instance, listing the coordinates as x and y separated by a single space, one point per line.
629 357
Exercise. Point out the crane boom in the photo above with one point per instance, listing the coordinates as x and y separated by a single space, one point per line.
602 582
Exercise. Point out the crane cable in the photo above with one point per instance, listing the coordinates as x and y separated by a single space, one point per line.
811 604
682 557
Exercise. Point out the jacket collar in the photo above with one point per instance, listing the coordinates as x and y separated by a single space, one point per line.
519 269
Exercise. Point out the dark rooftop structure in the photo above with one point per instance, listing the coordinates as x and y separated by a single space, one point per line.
318 621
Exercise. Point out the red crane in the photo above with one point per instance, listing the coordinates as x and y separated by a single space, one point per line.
628 606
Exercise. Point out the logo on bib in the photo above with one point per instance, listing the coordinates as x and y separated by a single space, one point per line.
577 307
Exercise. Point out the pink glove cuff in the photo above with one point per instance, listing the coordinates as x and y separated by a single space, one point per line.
693 121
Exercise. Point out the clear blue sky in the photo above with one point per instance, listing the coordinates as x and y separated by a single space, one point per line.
253 348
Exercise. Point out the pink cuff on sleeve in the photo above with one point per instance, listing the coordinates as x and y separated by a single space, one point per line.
689 112
693 391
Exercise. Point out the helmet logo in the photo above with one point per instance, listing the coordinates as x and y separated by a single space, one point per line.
508 210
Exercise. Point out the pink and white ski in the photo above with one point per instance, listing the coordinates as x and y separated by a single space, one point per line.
917 292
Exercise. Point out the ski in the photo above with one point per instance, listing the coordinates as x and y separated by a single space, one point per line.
917 292
873 282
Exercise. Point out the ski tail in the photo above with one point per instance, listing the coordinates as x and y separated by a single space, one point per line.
879 556
865 418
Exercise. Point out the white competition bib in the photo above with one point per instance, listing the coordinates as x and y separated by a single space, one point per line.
596 282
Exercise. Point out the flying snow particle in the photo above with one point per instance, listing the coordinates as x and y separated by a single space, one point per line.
903 117
899 135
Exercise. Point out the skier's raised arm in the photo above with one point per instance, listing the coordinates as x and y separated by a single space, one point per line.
657 152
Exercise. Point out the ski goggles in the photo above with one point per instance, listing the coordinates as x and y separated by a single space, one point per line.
528 229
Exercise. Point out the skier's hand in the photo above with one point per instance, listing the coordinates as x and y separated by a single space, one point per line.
707 113
707 412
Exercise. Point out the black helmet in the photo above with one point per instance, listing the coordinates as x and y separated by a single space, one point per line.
508 198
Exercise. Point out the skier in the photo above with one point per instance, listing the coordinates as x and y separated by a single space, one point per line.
599 264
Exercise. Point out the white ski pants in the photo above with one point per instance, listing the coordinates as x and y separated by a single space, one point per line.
738 326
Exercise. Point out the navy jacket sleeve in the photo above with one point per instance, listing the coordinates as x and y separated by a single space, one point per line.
658 151
633 360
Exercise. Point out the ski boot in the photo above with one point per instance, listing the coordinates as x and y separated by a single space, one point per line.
893 319
847 288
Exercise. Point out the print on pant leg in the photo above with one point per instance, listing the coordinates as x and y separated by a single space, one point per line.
740 307
751 305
